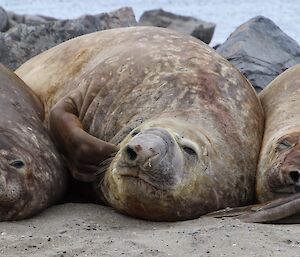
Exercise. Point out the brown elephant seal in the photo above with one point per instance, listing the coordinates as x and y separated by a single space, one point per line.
32 175
278 173
187 123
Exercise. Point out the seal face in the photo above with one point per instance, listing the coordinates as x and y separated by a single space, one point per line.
172 129
158 163
32 175
279 163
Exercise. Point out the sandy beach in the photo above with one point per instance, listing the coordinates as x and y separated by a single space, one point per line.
94 230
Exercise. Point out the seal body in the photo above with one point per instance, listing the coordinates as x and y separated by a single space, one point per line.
278 172
187 124
32 174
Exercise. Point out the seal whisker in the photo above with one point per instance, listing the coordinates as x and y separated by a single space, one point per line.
103 166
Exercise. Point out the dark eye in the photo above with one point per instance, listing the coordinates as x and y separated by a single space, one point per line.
189 150
18 164
134 133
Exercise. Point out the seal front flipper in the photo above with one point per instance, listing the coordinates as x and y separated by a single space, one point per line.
84 152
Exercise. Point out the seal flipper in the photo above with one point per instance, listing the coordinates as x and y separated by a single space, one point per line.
283 210
84 152
279 211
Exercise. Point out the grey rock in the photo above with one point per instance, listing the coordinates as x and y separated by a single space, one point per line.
189 25
15 19
3 19
22 42
34 19
260 50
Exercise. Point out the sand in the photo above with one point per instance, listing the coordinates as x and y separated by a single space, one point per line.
93 230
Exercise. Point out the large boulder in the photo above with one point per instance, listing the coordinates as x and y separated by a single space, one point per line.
15 19
260 50
24 41
189 25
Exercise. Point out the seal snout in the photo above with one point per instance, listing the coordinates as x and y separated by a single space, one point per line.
293 176
143 154
147 149
132 155
288 180
290 168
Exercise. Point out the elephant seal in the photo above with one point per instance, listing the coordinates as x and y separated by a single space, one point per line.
278 173
32 174
187 124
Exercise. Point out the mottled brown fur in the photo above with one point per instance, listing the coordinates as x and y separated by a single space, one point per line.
32 174
280 148
122 79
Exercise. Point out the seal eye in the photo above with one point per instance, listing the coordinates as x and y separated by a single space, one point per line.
18 164
189 150
134 133
284 144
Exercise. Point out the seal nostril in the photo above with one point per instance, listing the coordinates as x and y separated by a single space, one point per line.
294 175
131 153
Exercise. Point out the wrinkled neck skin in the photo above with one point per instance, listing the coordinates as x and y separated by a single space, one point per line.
157 173
280 170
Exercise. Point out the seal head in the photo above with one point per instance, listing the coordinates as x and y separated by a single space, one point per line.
156 172
278 172
32 174
282 177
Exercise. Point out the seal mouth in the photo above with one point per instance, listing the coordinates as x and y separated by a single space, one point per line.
139 180
145 166
287 190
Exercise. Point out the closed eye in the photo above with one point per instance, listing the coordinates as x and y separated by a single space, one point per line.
284 144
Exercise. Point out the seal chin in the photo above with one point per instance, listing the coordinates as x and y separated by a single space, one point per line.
140 181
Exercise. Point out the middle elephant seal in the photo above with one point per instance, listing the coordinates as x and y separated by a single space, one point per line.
188 124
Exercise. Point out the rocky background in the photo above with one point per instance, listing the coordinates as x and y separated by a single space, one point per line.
258 48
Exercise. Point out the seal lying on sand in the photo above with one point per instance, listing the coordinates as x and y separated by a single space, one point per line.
187 123
32 176
278 174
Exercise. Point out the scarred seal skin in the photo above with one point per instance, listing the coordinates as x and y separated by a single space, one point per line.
186 125
278 173
32 175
